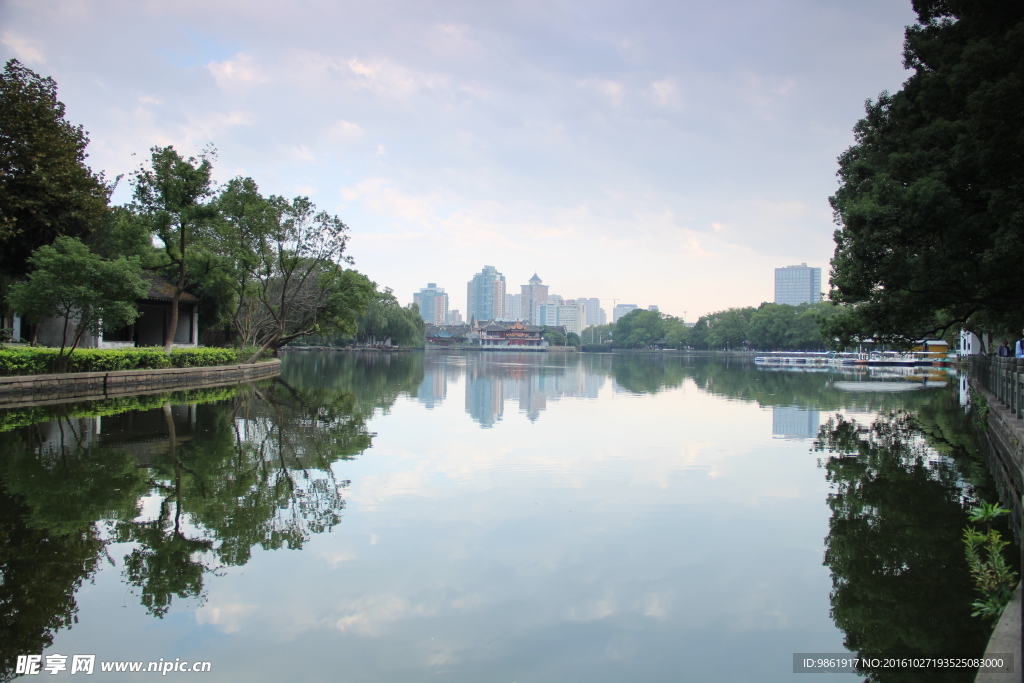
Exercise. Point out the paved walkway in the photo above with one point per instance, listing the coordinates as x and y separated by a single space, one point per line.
1006 639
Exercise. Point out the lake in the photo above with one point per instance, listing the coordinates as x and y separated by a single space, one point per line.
434 516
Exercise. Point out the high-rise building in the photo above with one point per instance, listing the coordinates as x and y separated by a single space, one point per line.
795 285
454 317
571 313
621 310
595 314
485 295
533 295
433 303
514 307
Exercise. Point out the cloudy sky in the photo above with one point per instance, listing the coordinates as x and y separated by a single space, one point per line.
654 152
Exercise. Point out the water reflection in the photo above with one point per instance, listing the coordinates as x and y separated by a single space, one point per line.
793 422
192 487
580 532
900 585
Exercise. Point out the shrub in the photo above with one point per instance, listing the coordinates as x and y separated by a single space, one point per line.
16 361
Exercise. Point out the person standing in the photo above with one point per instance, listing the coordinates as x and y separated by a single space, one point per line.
1019 348
1004 350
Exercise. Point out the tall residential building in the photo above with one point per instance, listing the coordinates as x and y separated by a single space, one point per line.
514 307
621 310
433 303
454 317
595 314
485 295
795 285
533 295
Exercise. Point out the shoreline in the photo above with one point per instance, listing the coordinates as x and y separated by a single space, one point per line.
24 390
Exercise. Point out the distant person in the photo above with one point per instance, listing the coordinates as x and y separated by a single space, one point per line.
1004 350
1019 350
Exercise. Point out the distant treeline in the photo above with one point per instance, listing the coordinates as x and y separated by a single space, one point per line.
768 327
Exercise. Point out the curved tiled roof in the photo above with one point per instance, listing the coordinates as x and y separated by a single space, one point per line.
162 289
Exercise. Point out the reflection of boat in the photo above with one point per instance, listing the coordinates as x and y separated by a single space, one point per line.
879 386
907 359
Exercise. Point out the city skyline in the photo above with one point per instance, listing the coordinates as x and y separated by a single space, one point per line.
668 153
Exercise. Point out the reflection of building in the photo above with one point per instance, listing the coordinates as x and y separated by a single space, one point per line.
795 285
433 303
485 295
529 379
434 387
794 422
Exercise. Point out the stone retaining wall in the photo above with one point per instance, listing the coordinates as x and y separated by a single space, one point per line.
79 386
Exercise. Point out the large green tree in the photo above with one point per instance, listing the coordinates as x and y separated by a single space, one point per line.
173 196
288 278
931 196
46 189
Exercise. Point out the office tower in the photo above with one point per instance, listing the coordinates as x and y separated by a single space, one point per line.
621 310
433 303
533 295
485 295
455 317
795 285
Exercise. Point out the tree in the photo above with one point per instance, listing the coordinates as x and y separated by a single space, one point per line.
46 190
931 198
638 328
173 198
288 279
86 292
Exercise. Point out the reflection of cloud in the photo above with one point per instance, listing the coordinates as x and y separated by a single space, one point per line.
229 617
371 614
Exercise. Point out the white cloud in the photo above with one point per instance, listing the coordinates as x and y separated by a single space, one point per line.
23 48
238 71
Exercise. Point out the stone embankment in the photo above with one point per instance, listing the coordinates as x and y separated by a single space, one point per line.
85 386
1000 381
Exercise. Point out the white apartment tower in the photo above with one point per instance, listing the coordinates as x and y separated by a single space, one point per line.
433 303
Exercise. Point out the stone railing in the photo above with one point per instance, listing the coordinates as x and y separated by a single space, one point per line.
1003 378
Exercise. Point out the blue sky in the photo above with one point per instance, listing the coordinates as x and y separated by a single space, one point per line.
669 153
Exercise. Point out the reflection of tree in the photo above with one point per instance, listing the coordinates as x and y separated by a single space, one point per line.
253 470
373 380
49 542
648 373
900 581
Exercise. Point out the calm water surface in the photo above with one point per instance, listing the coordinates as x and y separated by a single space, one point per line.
495 517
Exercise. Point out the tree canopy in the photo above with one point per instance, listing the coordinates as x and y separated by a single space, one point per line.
931 198
46 190
84 291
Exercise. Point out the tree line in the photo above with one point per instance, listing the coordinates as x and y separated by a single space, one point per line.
266 269
768 327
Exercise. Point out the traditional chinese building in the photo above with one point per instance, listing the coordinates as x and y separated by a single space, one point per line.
515 336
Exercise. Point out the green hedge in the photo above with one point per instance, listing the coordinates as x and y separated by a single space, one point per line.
26 360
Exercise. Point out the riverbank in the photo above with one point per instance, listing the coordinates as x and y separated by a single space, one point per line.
83 386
